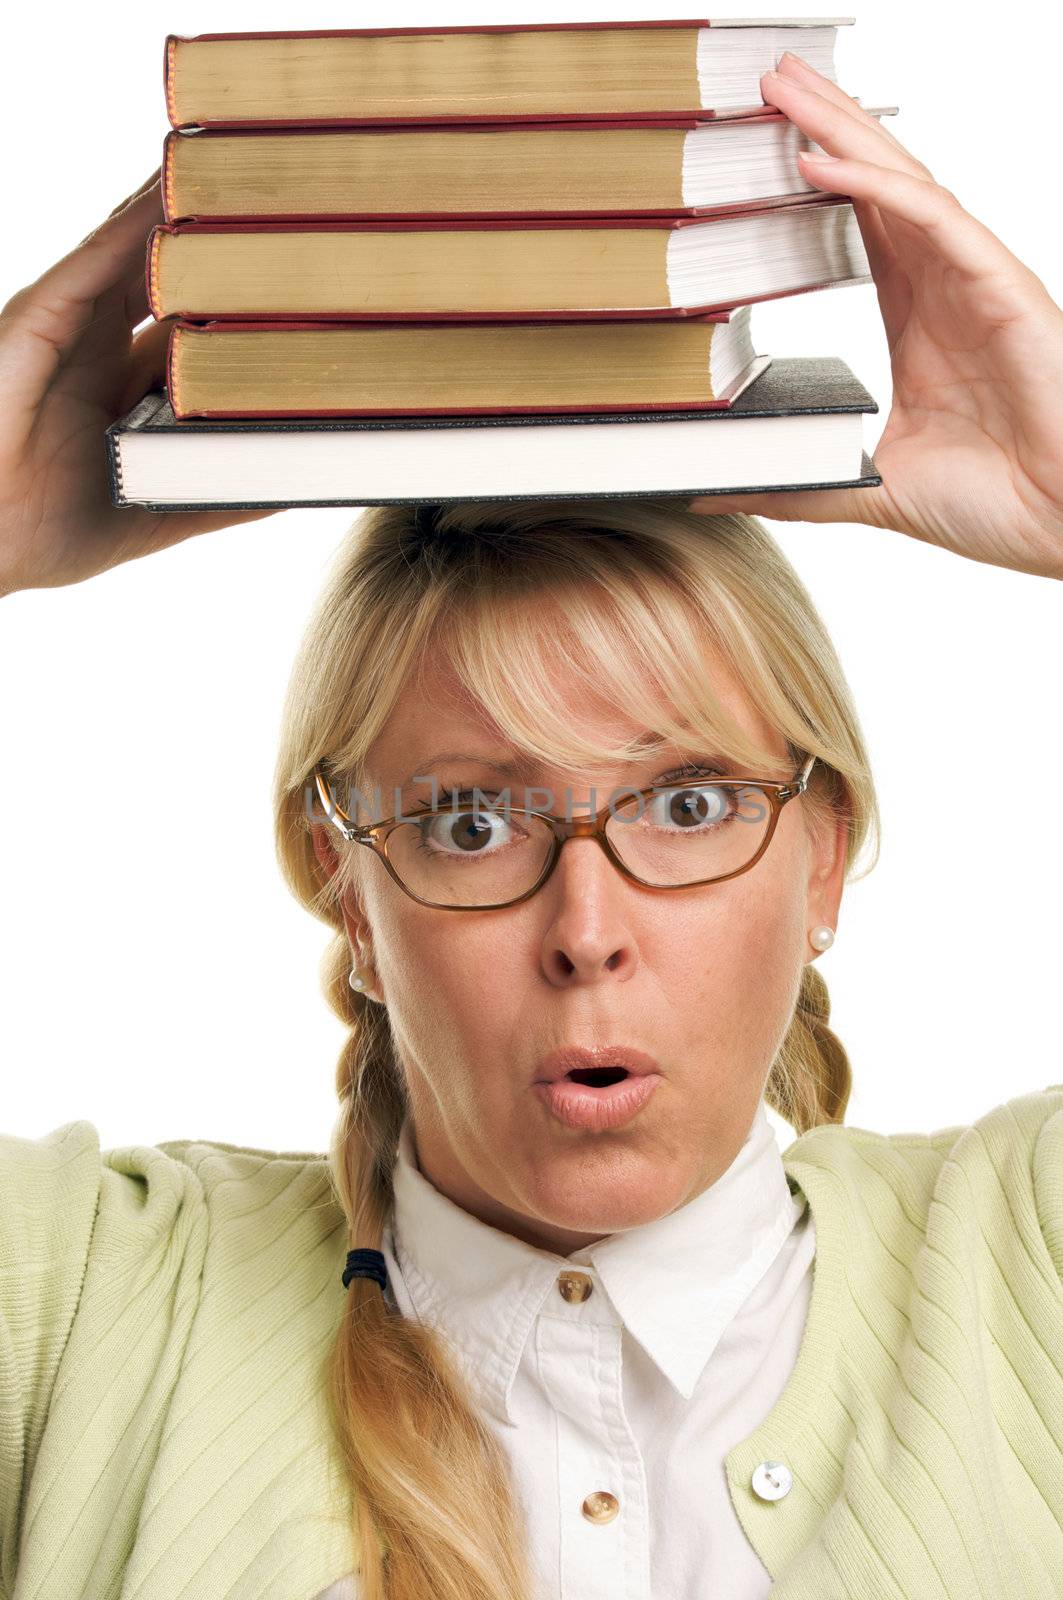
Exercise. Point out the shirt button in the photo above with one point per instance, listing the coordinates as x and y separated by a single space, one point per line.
601 1506
574 1286
771 1480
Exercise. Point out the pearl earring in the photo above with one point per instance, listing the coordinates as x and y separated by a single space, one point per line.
355 979
822 937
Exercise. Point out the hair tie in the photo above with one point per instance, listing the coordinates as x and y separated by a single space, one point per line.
365 1264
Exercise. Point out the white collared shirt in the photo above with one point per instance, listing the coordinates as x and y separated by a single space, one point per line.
617 1378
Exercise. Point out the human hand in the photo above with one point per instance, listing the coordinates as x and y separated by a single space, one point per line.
69 367
971 457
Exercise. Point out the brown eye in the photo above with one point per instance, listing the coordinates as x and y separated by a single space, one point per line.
464 832
690 808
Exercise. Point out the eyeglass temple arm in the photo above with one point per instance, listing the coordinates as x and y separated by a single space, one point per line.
334 812
800 783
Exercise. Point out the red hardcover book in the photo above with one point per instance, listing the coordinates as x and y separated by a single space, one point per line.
363 271
554 168
377 364
348 77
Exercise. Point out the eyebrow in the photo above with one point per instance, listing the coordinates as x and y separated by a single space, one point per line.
424 768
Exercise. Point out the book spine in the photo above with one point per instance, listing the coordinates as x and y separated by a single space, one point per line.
151 271
169 61
114 469
169 204
172 377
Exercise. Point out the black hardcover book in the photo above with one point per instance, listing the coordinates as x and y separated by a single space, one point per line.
799 425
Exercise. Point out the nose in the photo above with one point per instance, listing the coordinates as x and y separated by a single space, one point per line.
589 935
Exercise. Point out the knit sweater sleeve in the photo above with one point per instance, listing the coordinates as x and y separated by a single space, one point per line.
101 1259
1048 1181
49 1192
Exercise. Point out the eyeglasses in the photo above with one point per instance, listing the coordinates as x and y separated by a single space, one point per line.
481 857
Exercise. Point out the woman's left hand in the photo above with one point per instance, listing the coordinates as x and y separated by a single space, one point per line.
971 457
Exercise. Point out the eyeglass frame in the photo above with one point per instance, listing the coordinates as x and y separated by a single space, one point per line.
375 834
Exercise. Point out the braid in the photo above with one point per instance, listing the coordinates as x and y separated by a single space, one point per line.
811 1079
402 1413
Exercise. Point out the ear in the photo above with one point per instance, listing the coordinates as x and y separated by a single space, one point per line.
826 879
355 921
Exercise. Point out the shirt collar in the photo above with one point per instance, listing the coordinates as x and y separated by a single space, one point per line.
675 1282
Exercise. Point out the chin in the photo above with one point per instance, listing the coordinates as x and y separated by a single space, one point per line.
589 1191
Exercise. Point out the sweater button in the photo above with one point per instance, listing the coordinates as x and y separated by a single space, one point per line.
600 1506
771 1480
574 1286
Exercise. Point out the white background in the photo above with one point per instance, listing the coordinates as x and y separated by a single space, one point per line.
158 979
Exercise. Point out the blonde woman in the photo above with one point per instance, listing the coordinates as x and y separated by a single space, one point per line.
577 787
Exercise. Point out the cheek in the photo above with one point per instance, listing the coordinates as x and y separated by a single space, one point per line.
745 967
445 989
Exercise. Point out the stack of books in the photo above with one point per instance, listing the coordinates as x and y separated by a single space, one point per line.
487 262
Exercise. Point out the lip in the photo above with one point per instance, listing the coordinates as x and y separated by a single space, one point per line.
554 1066
585 1105
596 1107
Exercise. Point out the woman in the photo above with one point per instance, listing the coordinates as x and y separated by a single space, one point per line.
598 1337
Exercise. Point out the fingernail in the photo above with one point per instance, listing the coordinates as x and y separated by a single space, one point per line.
797 61
816 155
777 78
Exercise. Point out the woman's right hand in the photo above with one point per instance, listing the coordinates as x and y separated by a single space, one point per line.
69 366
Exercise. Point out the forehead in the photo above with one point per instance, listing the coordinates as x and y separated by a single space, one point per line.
440 714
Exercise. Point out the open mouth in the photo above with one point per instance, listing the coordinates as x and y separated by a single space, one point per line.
598 1077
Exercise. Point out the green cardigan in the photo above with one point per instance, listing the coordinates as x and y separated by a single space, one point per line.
164 1311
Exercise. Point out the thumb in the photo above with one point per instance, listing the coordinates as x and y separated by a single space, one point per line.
141 190
147 364
793 505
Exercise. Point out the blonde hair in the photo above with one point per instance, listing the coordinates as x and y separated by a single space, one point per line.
633 592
